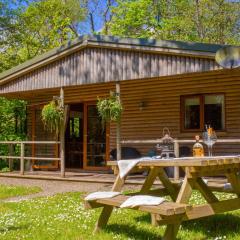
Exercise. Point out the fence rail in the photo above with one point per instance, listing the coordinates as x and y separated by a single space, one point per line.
176 143
22 156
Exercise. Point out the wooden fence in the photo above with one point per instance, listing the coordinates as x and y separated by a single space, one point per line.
22 156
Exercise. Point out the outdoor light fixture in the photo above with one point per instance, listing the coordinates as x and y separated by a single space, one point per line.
142 105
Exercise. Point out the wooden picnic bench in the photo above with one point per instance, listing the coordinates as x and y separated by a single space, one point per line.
178 210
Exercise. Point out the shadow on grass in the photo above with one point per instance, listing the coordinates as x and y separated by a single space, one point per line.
131 231
222 224
14 228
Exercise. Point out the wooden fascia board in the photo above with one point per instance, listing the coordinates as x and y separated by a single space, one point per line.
157 50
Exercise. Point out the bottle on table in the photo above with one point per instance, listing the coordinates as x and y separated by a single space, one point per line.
209 131
198 150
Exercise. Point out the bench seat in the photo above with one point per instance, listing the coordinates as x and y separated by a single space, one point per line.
164 209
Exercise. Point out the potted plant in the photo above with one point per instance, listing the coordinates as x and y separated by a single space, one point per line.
53 116
109 109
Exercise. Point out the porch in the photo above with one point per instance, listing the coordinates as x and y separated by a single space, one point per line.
54 167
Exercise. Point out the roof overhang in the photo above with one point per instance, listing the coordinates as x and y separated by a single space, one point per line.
145 45
33 94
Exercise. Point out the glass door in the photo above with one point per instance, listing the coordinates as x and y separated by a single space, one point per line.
74 137
95 139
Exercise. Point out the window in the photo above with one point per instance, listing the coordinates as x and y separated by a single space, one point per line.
199 110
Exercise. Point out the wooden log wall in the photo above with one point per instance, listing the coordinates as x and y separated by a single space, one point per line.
37 132
98 65
161 98
85 93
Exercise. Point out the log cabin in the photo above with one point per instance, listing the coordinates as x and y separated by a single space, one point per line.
170 84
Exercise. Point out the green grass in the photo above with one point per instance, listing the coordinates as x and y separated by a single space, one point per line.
14 191
63 217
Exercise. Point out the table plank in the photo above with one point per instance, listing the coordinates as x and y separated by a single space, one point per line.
186 162
165 208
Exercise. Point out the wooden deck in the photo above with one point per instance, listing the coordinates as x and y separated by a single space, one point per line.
93 177
74 176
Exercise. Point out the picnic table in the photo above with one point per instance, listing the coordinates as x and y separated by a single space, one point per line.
173 213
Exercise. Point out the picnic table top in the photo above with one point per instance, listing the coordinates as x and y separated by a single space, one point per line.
186 161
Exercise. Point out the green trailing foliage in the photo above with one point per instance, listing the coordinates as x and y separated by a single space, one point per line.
109 109
53 116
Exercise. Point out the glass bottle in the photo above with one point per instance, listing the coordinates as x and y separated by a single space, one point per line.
198 150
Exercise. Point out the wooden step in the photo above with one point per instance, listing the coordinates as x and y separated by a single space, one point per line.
165 208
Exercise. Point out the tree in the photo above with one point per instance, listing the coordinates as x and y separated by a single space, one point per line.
39 27
28 29
210 21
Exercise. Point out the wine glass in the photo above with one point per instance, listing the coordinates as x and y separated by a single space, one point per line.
213 138
209 140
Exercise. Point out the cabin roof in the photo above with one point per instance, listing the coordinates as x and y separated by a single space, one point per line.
174 47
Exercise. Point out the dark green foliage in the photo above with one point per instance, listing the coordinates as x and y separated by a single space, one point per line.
53 116
12 125
109 109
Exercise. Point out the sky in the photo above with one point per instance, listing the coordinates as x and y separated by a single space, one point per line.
85 27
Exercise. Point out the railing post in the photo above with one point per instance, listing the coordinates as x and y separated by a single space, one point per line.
176 152
62 134
11 153
118 127
22 159
62 153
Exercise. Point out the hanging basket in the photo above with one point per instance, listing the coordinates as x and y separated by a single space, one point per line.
109 109
53 116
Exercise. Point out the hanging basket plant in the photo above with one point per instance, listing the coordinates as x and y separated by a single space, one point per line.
109 109
53 116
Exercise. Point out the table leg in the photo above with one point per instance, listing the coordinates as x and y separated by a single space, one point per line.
171 231
149 180
153 174
201 186
107 210
167 184
234 179
183 197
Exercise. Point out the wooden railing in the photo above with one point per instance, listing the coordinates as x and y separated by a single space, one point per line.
177 143
22 156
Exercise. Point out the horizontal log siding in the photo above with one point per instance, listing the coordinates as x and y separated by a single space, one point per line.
42 150
84 93
40 134
98 65
162 98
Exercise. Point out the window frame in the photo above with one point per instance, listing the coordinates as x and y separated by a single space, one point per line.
201 100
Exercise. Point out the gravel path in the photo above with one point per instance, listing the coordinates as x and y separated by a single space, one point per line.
51 187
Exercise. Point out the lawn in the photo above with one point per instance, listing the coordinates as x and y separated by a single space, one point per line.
14 191
63 217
